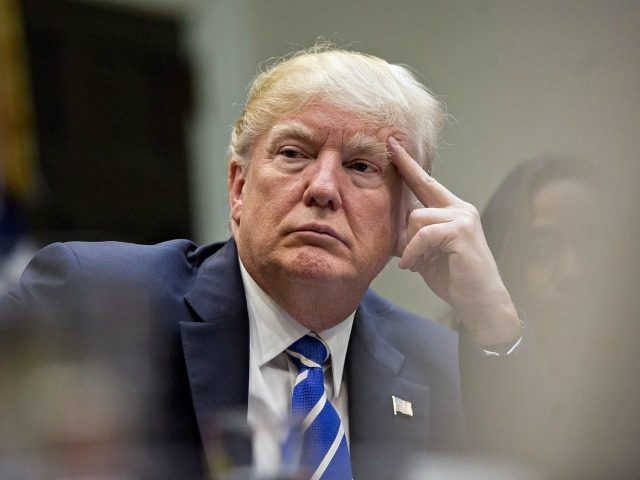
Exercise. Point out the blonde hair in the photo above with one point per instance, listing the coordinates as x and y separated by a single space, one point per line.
378 92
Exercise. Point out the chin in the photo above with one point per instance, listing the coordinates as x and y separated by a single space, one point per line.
312 265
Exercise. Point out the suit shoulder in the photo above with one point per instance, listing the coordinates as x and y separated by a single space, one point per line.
376 305
73 276
121 258
111 251
413 332
79 266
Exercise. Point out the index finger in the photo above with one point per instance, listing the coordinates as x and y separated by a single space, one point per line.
426 188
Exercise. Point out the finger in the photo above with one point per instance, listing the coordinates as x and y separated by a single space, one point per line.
427 238
418 218
428 190
421 217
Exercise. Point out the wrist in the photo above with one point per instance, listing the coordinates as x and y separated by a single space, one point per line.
493 325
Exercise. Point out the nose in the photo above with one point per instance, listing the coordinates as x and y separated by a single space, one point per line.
324 182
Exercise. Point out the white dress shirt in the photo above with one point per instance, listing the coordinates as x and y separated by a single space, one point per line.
271 374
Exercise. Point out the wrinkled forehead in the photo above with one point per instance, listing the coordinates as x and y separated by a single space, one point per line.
318 122
347 136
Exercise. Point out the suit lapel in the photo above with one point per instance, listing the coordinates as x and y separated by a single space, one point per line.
375 374
216 349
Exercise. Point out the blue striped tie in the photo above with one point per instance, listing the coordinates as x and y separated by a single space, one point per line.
325 454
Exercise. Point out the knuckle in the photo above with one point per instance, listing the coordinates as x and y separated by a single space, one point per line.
474 212
429 180
471 212
469 219
416 217
423 234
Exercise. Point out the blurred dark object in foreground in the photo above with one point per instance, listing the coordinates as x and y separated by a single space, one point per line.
111 92
16 243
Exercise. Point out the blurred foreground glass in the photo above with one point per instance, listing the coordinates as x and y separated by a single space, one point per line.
468 467
70 420
229 449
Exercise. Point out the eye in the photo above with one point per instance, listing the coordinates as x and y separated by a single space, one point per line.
362 166
290 152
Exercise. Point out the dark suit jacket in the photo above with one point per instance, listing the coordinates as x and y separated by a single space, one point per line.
172 319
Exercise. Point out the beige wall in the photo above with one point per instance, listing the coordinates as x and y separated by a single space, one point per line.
519 78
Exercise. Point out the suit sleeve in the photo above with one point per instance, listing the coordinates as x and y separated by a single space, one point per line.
506 398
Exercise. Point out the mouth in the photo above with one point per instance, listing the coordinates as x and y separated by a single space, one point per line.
320 231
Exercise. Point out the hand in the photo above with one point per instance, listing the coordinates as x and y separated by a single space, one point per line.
443 241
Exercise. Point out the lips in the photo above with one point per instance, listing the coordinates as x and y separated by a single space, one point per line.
321 229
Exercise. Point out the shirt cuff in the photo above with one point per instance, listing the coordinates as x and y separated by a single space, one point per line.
501 349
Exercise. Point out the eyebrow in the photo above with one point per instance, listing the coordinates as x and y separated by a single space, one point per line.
293 129
358 143
363 143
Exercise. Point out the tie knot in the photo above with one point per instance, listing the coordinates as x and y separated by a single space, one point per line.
308 352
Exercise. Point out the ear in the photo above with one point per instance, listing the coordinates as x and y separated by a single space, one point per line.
235 185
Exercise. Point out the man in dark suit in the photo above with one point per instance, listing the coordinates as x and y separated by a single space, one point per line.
326 182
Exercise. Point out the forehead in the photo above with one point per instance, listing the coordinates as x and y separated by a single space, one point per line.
322 120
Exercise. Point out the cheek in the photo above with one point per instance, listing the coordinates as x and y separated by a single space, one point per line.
400 200
269 201
278 187
396 209
381 221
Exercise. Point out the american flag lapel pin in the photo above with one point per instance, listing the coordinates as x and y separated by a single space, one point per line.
401 406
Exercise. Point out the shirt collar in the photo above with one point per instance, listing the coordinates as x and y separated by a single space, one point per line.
277 330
